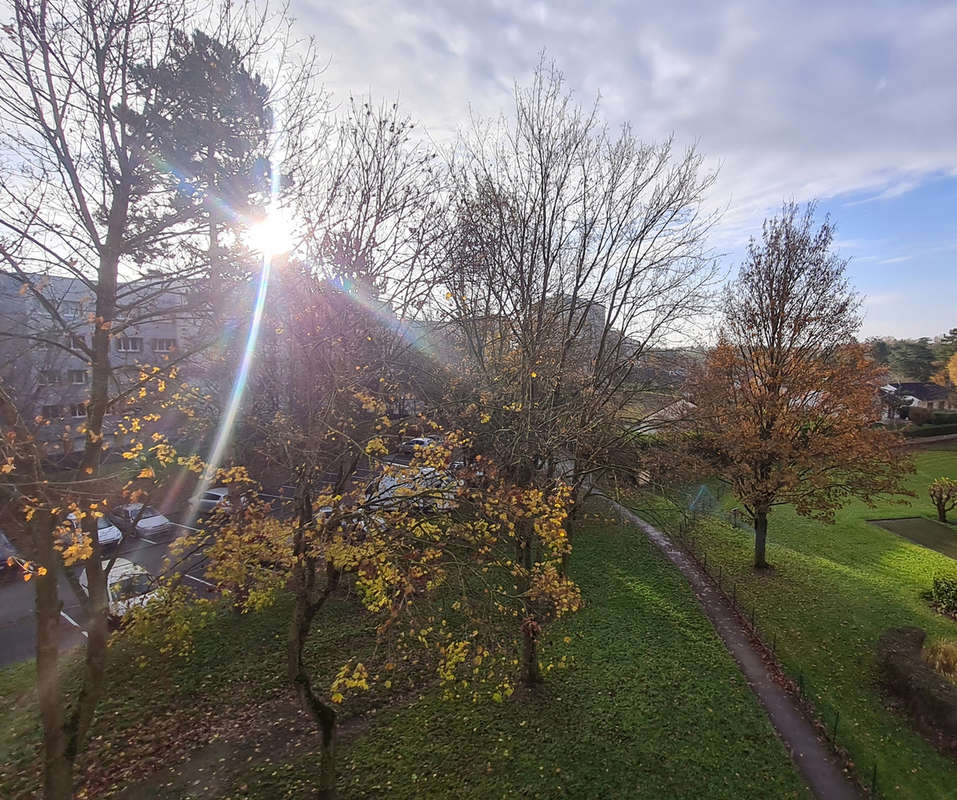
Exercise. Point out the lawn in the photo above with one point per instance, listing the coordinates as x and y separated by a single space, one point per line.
833 590
651 705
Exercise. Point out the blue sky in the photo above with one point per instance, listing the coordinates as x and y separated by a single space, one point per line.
850 102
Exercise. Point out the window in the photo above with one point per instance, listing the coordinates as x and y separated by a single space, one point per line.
129 344
77 376
71 308
163 345
49 377
52 412
78 410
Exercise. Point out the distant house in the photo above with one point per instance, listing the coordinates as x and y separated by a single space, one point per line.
918 395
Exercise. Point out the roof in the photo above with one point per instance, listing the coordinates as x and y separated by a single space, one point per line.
920 391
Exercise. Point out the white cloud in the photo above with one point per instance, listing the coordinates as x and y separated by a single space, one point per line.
895 260
782 95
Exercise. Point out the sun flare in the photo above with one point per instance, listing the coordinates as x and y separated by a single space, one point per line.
272 235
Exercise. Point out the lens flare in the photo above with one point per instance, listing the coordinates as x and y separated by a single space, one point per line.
272 235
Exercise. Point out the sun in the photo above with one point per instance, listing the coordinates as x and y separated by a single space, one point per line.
273 234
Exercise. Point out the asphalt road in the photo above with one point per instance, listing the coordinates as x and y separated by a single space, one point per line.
17 620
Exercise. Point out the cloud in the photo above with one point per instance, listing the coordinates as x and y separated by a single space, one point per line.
792 99
895 260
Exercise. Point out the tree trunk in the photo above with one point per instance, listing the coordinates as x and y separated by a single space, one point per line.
941 512
322 714
760 537
304 610
531 674
94 667
57 767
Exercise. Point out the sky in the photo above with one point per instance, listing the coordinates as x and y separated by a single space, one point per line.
853 104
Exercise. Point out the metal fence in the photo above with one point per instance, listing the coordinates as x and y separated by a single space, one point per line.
680 524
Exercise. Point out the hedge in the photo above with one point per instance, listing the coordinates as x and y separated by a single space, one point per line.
931 430
930 697
943 594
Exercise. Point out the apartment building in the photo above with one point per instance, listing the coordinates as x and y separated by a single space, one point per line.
45 340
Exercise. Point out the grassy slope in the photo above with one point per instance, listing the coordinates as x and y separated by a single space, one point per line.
652 705
834 590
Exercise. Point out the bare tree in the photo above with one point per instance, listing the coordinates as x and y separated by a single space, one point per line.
98 237
575 252
339 355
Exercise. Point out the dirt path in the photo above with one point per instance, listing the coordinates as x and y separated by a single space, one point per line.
817 764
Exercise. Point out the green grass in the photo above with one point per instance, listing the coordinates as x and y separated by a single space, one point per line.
651 705
833 590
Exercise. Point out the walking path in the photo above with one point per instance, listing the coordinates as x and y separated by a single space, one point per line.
818 765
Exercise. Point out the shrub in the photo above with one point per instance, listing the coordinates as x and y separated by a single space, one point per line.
919 416
943 594
903 672
944 418
931 430
942 658
943 494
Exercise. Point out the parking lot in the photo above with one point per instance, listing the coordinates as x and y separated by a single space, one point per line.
17 622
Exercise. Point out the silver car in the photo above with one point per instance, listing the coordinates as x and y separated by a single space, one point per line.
143 521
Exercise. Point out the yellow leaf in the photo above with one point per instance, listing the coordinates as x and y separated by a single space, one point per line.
27 576
41 570
147 472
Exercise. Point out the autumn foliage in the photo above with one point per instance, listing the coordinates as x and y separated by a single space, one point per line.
786 401
943 494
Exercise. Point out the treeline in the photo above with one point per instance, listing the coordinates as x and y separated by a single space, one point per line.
920 359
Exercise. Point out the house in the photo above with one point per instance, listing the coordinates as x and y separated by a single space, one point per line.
931 396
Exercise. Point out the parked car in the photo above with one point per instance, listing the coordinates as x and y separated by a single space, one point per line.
128 585
218 498
426 488
106 532
7 552
408 448
150 521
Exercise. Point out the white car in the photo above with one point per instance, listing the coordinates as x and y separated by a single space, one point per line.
148 521
128 585
217 497
429 489
408 448
106 532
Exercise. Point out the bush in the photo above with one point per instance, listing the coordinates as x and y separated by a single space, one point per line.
919 416
941 656
943 594
931 430
944 418
903 672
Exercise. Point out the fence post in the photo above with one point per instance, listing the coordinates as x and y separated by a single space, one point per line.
837 718
874 780
801 684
